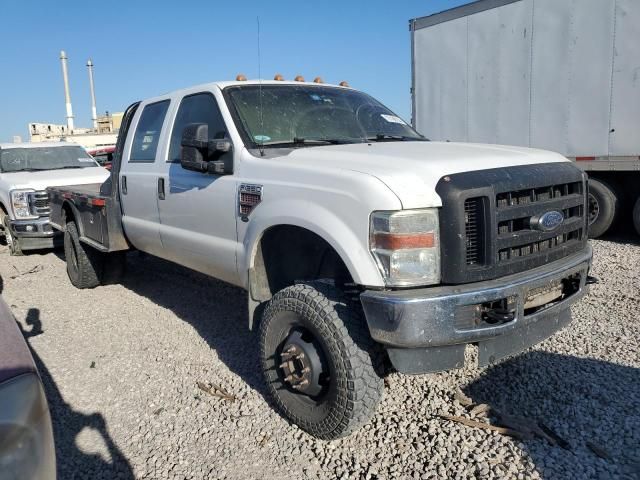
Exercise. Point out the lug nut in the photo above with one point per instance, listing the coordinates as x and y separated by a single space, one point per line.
284 364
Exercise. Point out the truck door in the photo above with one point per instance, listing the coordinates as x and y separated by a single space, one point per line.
197 210
139 179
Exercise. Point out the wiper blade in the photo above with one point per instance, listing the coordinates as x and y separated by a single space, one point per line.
308 141
65 167
25 170
381 137
321 141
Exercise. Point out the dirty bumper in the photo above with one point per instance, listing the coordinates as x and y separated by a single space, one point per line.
426 330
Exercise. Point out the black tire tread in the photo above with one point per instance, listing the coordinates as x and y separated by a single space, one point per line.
349 342
608 201
90 261
15 250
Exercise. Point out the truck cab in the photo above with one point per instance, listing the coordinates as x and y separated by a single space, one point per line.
26 170
360 242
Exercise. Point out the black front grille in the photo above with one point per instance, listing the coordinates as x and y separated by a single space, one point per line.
516 235
491 221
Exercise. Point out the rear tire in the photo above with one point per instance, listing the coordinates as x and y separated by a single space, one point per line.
13 242
636 216
84 264
603 207
345 374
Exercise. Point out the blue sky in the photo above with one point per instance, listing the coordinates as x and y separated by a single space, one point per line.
143 48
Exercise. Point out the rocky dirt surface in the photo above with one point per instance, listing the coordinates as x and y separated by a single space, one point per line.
121 364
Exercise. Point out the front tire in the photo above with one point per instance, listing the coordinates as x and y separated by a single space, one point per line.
312 327
13 242
84 263
603 207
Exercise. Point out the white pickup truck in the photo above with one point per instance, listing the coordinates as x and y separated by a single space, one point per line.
361 243
26 170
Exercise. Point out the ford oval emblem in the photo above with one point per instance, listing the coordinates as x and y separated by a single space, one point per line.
547 221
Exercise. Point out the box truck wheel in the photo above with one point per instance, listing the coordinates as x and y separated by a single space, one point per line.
320 364
603 206
636 215
84 263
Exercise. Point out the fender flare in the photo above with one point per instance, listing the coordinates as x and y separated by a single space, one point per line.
318 220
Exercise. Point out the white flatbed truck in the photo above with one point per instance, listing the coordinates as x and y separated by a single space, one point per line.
359 242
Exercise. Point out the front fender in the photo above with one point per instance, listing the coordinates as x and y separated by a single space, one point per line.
350 246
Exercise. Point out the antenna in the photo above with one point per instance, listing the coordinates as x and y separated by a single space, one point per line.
260 93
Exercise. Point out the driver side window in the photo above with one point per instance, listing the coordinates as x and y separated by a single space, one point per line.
198 108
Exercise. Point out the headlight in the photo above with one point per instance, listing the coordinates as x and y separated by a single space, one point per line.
406 246
20 204
26 437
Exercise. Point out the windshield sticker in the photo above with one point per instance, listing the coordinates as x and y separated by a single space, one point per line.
392 119
261 138
315 97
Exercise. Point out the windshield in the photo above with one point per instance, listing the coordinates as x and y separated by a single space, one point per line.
44 158
307 115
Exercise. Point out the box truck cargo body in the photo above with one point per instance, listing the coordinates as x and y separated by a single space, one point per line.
561 75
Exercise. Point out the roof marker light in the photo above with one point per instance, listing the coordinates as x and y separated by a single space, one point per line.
343 84
318 80
241 78
278 77
299 78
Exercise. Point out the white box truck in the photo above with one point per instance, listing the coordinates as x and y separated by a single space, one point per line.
560 75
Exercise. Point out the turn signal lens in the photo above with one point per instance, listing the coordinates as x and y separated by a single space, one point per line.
390 241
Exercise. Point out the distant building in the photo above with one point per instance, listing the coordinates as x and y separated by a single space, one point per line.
110 122
47 132
107 133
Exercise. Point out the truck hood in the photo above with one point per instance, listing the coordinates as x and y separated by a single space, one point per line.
412 169
53 178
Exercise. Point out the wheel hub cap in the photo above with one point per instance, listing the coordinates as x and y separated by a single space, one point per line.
301 365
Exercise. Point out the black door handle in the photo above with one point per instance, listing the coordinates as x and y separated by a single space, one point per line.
161 188
124 185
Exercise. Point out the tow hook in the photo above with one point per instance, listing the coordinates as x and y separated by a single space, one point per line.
500 316
592 280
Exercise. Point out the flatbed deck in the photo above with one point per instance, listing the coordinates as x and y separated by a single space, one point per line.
96 212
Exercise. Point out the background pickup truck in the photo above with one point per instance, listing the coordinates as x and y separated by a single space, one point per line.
26 170
360 242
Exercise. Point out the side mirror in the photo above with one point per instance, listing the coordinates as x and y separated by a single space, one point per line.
200 154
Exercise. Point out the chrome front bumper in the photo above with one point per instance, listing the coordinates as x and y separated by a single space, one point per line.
426 330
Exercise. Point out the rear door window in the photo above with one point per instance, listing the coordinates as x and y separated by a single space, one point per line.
145 140
198 108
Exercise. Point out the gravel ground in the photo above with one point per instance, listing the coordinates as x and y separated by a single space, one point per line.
120 364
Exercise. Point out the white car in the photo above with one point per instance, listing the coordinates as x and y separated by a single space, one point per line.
26 170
